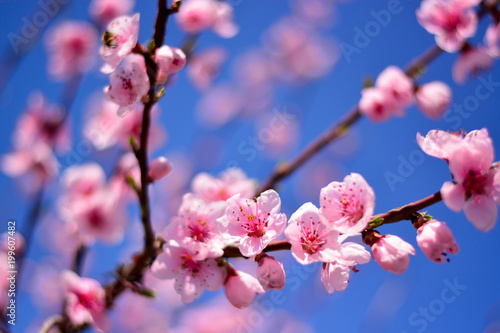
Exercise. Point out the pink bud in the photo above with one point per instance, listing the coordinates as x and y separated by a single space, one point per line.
169 60
159 168
391 253
270 273
435 239
241 289
377 104
433 99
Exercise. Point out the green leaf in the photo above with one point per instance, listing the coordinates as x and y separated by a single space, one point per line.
376 222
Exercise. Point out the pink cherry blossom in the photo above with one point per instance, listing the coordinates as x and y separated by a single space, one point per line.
392 253
270 273
435 239
492 39
128 84
471 63
86 302
348 206
311 239
102 123
159 168
452 21
219 105
378 104
191 275
71 46
120 38
36 165
316 13
335 274
241 289
439 144
255 223
203 67
475 185
232 181
433 99
170 60
397 83
104 11
99 215
42 122
195 227
195 16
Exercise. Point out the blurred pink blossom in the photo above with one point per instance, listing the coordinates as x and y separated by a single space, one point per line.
452 21
70 46
104 11
170 60
230 182
86 302
471 62
433 99
492 39
43 122
204 66
159 168
378 104
398 84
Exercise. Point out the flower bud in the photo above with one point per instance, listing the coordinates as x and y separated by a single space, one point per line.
169 60
270 273
241 289
391 253
433 99
435 239
159 168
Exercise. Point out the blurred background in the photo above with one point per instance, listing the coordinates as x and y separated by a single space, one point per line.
208 125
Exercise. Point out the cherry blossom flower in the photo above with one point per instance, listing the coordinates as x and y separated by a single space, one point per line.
232 181
159 168
195 16
335 274
397 83
435 239
392 253
241 289
348 206
71 46
451 21
475 187
36 165
119 39
203 67
270 273
42 122
472 62
86 302
311 239
439 144
128 84
195 227
170 60
191 275
104 11
433 99
255 223
377 104
219 105
492 39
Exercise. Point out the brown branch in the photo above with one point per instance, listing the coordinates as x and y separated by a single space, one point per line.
413 69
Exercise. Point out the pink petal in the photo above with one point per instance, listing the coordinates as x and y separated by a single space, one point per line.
482 212
453 196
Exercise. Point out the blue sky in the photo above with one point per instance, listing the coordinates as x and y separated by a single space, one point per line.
375 300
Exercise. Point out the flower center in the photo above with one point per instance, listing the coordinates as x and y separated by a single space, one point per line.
311 238
475 183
